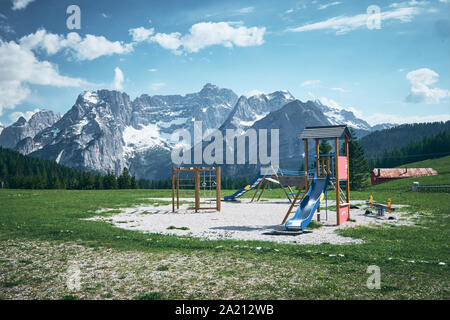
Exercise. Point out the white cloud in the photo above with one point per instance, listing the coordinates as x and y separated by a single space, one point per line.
324 6
14 116
118 79
339 90
88 48
420 80
245 10
289 11
155 86
169 41
20 4
152 70
20 67
344 24
408 3
310 83
206 34
141 33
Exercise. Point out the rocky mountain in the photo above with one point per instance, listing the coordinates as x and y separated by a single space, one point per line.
105 131
22 128
249 110
1 128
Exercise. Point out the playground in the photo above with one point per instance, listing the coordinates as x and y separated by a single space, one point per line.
284 220
45 231
196 241
246 221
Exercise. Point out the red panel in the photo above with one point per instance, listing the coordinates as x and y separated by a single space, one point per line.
342 167
343 211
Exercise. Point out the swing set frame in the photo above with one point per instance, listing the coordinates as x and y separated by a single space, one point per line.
176 172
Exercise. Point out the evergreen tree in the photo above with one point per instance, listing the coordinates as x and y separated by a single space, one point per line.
124 181
358 166
134 184
109 181
98 181
325 147
87 181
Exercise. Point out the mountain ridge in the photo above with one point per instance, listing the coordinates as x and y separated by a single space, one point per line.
105 130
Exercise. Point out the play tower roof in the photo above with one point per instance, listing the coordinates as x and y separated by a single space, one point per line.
325 132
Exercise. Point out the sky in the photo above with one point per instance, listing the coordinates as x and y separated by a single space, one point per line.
387 61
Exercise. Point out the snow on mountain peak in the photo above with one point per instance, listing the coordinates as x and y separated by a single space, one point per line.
141 139
91 97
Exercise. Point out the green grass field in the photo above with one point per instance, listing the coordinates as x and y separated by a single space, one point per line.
43 233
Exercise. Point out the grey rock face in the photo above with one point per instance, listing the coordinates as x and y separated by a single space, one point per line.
21 129
105 131
247 111
89 135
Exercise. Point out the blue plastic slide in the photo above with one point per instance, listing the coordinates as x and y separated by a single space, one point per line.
239 193
309 204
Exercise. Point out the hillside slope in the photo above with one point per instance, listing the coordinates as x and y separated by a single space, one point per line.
377 143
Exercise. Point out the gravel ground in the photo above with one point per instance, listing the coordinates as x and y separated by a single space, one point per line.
245 221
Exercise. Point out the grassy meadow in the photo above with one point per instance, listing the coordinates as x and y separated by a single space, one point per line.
44 232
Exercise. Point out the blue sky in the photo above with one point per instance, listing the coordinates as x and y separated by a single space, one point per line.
395 71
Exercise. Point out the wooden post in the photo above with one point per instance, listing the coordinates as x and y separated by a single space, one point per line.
218 188
317 157
336 175
262 191
173 190
300 188
178 188
348 174
306 160
257 189
281 185
317 172
197 188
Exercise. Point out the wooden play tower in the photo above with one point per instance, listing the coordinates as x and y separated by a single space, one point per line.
334 164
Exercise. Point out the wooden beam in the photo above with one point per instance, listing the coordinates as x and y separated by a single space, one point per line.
281 185
317 156
318 173
304 185
173 190
262 191
197 189
336 174
178 188
347 153
257 189
306 159
218 189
